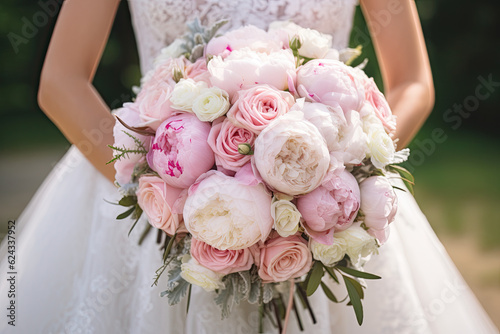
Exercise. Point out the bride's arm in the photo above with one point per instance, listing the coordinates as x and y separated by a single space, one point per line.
66 93
399 43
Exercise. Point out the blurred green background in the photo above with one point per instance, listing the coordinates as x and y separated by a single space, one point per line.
458 186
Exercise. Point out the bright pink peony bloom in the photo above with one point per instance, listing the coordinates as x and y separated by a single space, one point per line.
256 107
284 258
331 207
224 139
379 204
179 152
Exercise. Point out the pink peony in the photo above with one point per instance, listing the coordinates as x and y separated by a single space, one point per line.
228 212
256 107
245 68
331 207
284 258
330 82
125 166
246 37
224 261
379 205
179 152
224 139
158 199
198 71
380 106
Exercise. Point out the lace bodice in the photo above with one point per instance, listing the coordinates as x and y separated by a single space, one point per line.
158 22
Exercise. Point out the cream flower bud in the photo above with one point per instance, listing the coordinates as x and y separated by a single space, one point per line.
245 149
196 274
286 217
212 103
329 254
185 92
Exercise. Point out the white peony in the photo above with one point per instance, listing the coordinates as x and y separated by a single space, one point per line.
185 92
196 274
227 213
286 217
360 245
210 104
329 254
291 155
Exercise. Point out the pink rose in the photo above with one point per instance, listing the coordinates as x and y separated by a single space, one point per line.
224 261
256 107
330 82
331 207
158 199
246 37
224 139
125 166
379 205
198 71
244 68
179 152
284 258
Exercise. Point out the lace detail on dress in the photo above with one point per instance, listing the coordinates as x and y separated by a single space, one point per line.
158 22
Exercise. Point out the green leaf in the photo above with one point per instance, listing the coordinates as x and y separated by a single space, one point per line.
133 225
355 299
398 188
357 273
329 293
332 274
128 201
125 214
315 279
406 176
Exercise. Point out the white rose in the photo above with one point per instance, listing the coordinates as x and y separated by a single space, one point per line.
196 274
314 43
360 245
380 144
185 92
329 254
210 104
291 155
286 217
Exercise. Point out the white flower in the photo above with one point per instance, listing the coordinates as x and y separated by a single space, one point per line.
286 217
353 140
226 213
360 245
291 155
329 254
185 92
380 144
196 274
174 50
210 104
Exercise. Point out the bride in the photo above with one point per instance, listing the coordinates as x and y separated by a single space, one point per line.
78 272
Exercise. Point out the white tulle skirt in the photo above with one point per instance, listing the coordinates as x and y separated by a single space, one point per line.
78 272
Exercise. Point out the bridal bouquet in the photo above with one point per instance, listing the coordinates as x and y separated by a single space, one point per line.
262 158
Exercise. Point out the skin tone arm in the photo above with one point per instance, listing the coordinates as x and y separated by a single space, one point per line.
404 63
66 93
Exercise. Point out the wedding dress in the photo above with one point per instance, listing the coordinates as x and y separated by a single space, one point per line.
78 272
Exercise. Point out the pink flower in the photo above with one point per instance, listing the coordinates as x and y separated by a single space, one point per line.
284 258
224 261
246 37
198 71
330 82
158 199
125 166
224 139
256 107
228 212
330 207
179 152
380 106
244 68
379 204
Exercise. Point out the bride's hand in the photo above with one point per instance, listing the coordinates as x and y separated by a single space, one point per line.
399 43
66 93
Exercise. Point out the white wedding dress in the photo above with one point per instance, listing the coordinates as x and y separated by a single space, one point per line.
78 272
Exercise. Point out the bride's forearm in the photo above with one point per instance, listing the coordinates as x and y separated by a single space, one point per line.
82 116
412 104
